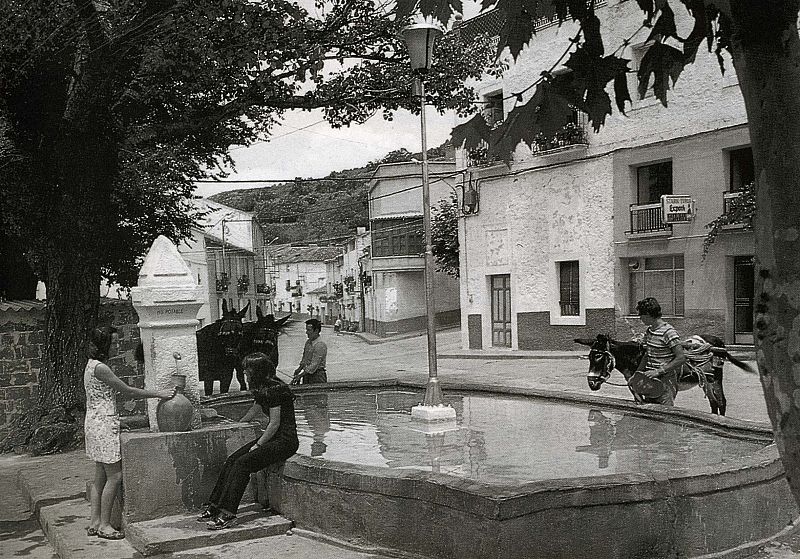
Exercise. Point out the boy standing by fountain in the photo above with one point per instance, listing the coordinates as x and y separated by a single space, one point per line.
312 366
665 357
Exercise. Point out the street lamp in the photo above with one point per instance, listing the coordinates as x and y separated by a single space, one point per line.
420 39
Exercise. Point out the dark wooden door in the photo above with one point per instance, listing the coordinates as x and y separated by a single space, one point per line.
501 310
743 288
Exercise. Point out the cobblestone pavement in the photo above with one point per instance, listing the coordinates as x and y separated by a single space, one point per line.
358 357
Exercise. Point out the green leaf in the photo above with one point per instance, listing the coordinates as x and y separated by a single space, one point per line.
621 92
440 9
664 26
520 18
592 39
471 133
591 75
663 62
650 7
405 8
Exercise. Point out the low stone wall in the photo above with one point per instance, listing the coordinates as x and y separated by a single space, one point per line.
22 347
170 473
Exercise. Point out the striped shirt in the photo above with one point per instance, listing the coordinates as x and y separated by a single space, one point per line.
659 342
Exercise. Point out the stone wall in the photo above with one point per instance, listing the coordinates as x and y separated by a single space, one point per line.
22 346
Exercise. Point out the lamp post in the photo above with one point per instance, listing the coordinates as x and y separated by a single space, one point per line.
420 39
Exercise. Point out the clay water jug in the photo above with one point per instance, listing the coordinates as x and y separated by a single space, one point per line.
175 414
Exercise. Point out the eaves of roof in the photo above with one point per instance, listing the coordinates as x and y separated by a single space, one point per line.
290 254
22 305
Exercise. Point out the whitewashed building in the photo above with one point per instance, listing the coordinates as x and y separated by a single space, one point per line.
225 254
564 242
395 295
300 278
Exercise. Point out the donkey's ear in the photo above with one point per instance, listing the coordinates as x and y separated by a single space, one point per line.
259 314
584 341
243 312
224 306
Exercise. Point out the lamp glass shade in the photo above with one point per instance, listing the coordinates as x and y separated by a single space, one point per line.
419 39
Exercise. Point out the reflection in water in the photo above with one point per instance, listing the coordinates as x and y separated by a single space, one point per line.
318 419
502 438
601 436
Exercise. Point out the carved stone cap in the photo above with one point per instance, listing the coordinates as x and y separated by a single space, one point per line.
165 267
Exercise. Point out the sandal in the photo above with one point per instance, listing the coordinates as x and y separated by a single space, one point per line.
221 523
115 535
91 531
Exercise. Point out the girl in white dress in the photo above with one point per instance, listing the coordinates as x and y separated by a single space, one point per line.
101 429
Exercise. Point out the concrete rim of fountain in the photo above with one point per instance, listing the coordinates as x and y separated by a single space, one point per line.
677 513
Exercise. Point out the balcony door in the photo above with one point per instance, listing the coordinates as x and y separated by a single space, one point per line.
501 310
743 290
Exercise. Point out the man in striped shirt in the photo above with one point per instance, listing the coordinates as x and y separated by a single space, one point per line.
664 358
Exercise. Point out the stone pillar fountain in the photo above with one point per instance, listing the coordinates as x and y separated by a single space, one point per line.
168 299
172 471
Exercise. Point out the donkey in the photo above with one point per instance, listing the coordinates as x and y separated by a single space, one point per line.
262 335
218 350
705 357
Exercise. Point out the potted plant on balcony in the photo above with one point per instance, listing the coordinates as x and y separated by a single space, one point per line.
222 282
243 283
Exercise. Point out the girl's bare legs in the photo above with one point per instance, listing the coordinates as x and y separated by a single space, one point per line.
113 474
99 485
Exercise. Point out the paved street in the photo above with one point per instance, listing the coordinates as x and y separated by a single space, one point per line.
350 357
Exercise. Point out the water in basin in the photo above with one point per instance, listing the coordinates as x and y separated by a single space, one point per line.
501 439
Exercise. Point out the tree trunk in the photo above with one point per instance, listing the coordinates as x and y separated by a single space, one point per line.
766 53
73 301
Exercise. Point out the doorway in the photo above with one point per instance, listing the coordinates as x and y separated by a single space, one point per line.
501 310
743 288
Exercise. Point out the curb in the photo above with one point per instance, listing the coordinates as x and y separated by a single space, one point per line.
493 356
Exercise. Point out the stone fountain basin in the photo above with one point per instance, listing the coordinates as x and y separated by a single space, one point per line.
688 512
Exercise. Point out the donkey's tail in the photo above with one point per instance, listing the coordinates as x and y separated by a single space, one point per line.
741 364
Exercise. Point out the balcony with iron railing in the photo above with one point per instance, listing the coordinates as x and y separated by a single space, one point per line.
647 221
572 135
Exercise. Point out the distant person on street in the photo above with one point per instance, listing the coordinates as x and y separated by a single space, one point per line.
312 366
337 326
665 358
276 444
101 428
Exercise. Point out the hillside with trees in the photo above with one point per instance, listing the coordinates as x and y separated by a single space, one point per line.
327 209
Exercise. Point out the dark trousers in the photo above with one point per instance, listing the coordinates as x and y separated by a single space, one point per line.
235 474
318 377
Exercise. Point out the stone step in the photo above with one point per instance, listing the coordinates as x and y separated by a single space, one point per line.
64 524
182 532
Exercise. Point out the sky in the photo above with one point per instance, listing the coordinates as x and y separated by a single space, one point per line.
313 152
305 146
